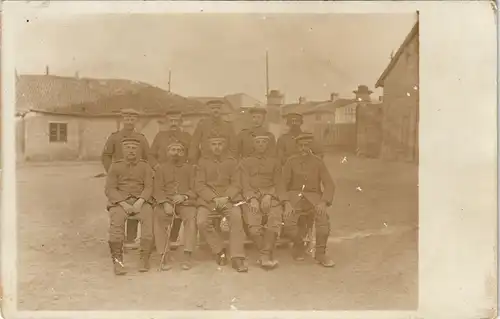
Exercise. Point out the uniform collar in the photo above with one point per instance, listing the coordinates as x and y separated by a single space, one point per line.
132 162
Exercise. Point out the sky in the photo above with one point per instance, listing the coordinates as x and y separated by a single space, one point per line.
310 55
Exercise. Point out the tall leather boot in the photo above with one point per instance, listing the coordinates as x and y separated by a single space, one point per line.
320 252
266 253
298 250
145 254
116 249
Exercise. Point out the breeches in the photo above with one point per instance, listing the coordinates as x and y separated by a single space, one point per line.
259 221
118 217
205 220
296 227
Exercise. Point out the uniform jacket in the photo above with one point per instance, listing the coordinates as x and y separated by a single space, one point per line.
113 148
217 178
204 129
128 180
261 175
286 146
162 139
244 141
311 172
172 179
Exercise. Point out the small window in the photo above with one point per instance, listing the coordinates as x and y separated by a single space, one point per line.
318 116
58 132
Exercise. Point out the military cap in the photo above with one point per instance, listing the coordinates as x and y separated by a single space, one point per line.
129 112
215 102
305 136
175 142
261 137
215 136
257 110
292 115
131 140
173 114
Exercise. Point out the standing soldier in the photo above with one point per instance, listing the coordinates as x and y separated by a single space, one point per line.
214 124
260 179
218 187
304 176
174 196
158 152
286 145
129 187
245 142
113 152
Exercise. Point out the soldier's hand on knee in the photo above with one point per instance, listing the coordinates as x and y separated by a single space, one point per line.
177 199
266 202
321 209
254 206
169 209
129 209
138 205
287 210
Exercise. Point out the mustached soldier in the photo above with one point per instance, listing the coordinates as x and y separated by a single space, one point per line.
174 196
113 151
260 180
129 187
245 141
158 151
218 187
286 145
304 176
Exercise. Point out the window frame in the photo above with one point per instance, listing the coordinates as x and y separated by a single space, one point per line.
60 127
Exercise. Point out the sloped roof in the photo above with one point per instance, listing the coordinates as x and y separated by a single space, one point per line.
330 106
409 37
49 92
147 100
238 100
300 107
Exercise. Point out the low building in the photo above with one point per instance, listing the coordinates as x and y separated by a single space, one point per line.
400 116
70 118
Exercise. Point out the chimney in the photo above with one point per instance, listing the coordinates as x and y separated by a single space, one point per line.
46 70
363 93
302 100
334 96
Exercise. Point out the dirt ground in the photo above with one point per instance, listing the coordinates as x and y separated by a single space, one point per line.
64 261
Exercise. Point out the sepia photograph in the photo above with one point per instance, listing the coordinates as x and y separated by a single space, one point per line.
217 161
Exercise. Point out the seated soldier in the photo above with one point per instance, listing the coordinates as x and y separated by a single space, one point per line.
174 197
303 177
129 187
218 187
260 177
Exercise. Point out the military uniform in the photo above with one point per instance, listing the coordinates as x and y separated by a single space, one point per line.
260 177
162 139
175 179
244 140
204 129
128 181
113 152
218 177
303 177
286 145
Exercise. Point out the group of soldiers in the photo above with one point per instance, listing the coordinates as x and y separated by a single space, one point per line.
260 185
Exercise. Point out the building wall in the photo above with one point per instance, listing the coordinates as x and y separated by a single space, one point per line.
36 138
93 135
400 110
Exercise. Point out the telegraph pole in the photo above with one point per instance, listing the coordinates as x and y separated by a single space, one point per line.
169 80
267 73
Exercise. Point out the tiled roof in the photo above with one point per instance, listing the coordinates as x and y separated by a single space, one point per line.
49 92
148 100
